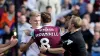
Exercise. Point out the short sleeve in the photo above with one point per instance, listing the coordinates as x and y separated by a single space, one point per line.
23 38
32 32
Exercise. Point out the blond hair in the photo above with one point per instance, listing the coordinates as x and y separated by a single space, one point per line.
34 13
77 21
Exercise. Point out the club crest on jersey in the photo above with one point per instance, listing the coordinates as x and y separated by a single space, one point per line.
68 41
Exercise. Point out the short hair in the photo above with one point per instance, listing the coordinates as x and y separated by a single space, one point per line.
48 7
67 17
46 17
34 13
11 4
77 21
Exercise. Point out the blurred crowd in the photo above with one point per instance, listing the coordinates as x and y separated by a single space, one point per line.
7 24
60 10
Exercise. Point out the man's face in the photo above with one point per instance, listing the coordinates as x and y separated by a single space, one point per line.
35 20
49 10
70 24
87 16
90 8
22 19
12 8
96 35
81 1
1 1
85 23
23 10
7 29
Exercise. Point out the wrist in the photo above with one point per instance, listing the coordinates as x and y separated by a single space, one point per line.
32 34
47 51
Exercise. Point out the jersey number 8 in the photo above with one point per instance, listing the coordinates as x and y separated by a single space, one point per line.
45 42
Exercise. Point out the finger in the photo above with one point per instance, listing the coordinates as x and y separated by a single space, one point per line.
1 54
11 38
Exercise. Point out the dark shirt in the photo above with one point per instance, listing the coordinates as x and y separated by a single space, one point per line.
97 44
7 36
74 44
82 8
93 17
88 37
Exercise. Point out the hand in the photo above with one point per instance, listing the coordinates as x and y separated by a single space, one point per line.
13 41
27 32
7 42
1 54
76 7
43 48
42 54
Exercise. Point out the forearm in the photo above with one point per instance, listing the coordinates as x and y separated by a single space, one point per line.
20 53
96 49
42 54
3 45
5 48
56 50
24 47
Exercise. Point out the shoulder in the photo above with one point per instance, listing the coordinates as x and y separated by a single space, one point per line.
5 14
27 24
77 36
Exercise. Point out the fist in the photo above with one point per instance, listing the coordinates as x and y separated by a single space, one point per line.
13 41
27 32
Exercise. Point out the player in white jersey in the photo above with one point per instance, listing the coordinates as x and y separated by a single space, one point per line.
26 41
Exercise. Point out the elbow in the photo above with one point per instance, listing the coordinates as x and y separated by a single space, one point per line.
0 52
21 49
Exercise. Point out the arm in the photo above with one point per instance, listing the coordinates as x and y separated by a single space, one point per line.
19 52
52 50
5 48
13 43
31 4
4 45
42 54
96 49
63 13
58 7
56 50
25 46
38 5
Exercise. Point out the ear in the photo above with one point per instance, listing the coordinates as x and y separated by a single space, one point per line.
30 21
72 25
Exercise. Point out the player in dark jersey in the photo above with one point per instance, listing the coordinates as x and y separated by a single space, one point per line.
48 36
73 41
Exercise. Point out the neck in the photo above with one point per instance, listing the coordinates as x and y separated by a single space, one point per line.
34 27
47 23
11 12
22 23
74 30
